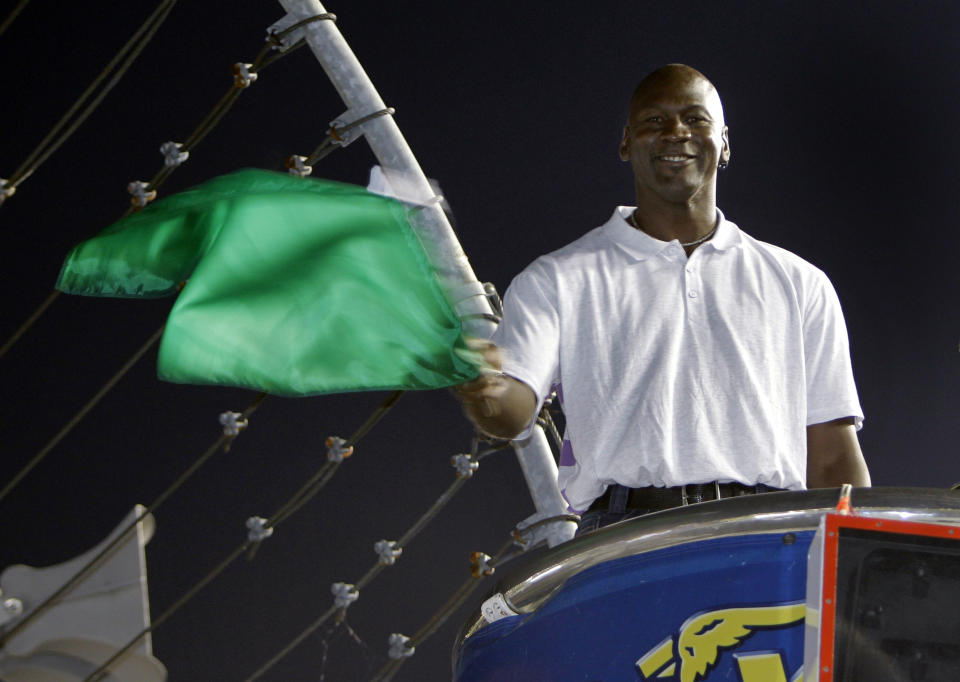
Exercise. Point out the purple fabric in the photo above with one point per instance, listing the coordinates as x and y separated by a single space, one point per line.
566 455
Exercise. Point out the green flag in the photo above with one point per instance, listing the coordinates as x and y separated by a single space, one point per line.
295 286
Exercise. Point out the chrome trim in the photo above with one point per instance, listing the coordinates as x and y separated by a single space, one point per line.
537 575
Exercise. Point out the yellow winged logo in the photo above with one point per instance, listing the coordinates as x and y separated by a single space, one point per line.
703 636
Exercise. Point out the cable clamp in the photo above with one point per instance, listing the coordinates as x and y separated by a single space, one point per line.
544 526
480 564
257 529
520 538
140 196
297 165
243 75
344 594
289 30
398 646
172 156
388 551
233 423
336 452
346 127
6 190
465 465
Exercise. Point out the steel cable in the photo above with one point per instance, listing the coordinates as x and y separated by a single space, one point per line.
460 596
34 316
289 507
316 482
209 122
407 537
125 58
13 15
223 440
78 417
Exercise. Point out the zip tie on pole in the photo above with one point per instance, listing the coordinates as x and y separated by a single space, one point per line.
140 194
398 646
344 594
257 529
388 551
296 165
480 564
337 449
465 465
243 75
233 423
172 154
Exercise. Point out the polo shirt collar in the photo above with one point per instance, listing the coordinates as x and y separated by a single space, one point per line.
642 246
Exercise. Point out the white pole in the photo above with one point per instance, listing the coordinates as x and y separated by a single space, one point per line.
432 227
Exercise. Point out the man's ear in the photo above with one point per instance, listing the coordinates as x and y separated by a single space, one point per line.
625 144
725 151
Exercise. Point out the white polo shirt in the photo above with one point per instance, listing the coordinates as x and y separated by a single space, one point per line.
676 370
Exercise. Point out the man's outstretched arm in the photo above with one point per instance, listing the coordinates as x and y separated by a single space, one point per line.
834 456
497 404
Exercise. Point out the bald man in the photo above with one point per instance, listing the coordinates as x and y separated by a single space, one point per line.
691 360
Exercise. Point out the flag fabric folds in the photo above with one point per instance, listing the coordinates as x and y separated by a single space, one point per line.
295 286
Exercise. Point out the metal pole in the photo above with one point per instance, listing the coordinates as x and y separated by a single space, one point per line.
431 226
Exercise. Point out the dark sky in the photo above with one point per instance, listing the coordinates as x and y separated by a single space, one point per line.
843 128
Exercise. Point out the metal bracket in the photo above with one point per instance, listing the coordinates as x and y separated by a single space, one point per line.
285 42
554 532
348 126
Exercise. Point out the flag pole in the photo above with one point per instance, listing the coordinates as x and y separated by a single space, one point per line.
431 226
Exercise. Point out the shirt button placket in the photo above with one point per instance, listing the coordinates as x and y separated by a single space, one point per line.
691 281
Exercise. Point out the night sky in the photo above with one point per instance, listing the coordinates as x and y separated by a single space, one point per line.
843 130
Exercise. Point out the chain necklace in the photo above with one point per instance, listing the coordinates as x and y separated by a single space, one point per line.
700 240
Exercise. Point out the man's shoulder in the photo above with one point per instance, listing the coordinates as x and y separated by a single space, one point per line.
567 259
588 243
791 263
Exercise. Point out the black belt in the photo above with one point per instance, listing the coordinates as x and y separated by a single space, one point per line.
619 498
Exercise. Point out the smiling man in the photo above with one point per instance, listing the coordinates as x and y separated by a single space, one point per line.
692 361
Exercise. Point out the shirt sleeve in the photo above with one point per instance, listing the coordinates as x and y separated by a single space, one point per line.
529 336
831 391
